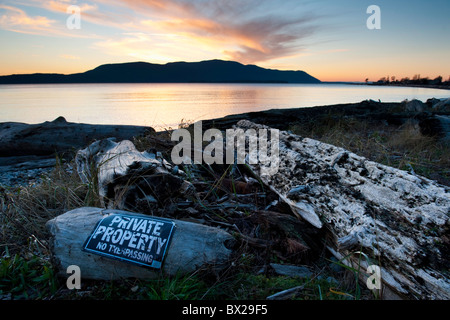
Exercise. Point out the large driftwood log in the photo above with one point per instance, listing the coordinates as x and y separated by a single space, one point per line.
192 246
19 139
397 220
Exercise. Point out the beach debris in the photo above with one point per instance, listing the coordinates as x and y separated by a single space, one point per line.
366 214
128 179
193 246
224 196
373 214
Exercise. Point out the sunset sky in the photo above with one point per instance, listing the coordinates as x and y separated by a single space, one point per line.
328 39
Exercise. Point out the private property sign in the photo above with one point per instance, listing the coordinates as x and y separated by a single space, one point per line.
135 239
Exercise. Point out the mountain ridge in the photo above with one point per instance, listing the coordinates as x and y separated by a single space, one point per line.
208 71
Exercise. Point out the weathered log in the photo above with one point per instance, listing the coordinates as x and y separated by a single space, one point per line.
399 220
18 139
128 179
192 247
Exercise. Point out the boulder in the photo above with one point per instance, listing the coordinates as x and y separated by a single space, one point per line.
193 246
414 106
432 101
435 126
442 106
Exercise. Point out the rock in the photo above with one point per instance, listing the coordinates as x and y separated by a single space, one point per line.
399 221
332 280
414 106
335 265
291 270
442 106
129 179
23 170
19 139
431 102
193 246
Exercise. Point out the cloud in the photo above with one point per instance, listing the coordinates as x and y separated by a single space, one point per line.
17 20
154 47
247 31
240 31
88 12
62 5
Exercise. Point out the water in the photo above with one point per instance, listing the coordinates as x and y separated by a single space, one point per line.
166 105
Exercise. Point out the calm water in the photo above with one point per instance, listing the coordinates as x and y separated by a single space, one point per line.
166 105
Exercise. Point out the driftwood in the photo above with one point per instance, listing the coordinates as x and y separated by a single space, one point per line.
19 139
128 179
193 246
393 219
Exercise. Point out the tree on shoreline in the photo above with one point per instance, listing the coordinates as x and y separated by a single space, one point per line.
416 79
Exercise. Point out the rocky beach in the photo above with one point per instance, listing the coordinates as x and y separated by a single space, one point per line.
346 159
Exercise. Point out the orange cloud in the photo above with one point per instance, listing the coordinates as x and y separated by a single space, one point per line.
61 6
89 13
15 18
224 27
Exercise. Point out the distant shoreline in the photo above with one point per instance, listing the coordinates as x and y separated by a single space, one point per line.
430 86
426 86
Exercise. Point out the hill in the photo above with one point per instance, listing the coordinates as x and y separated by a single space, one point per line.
211 71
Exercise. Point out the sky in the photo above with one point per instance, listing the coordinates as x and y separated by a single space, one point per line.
329 39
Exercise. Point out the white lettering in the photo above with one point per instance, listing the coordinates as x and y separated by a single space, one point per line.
126 236
99 230
213 152
374 21
161 243
107 235
74 281
156 230
74 20
374 281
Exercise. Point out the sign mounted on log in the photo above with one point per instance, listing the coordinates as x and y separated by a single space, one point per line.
135 239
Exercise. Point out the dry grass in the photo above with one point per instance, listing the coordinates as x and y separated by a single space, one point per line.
25 210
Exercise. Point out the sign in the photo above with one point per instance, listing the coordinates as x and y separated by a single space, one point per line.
135 239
